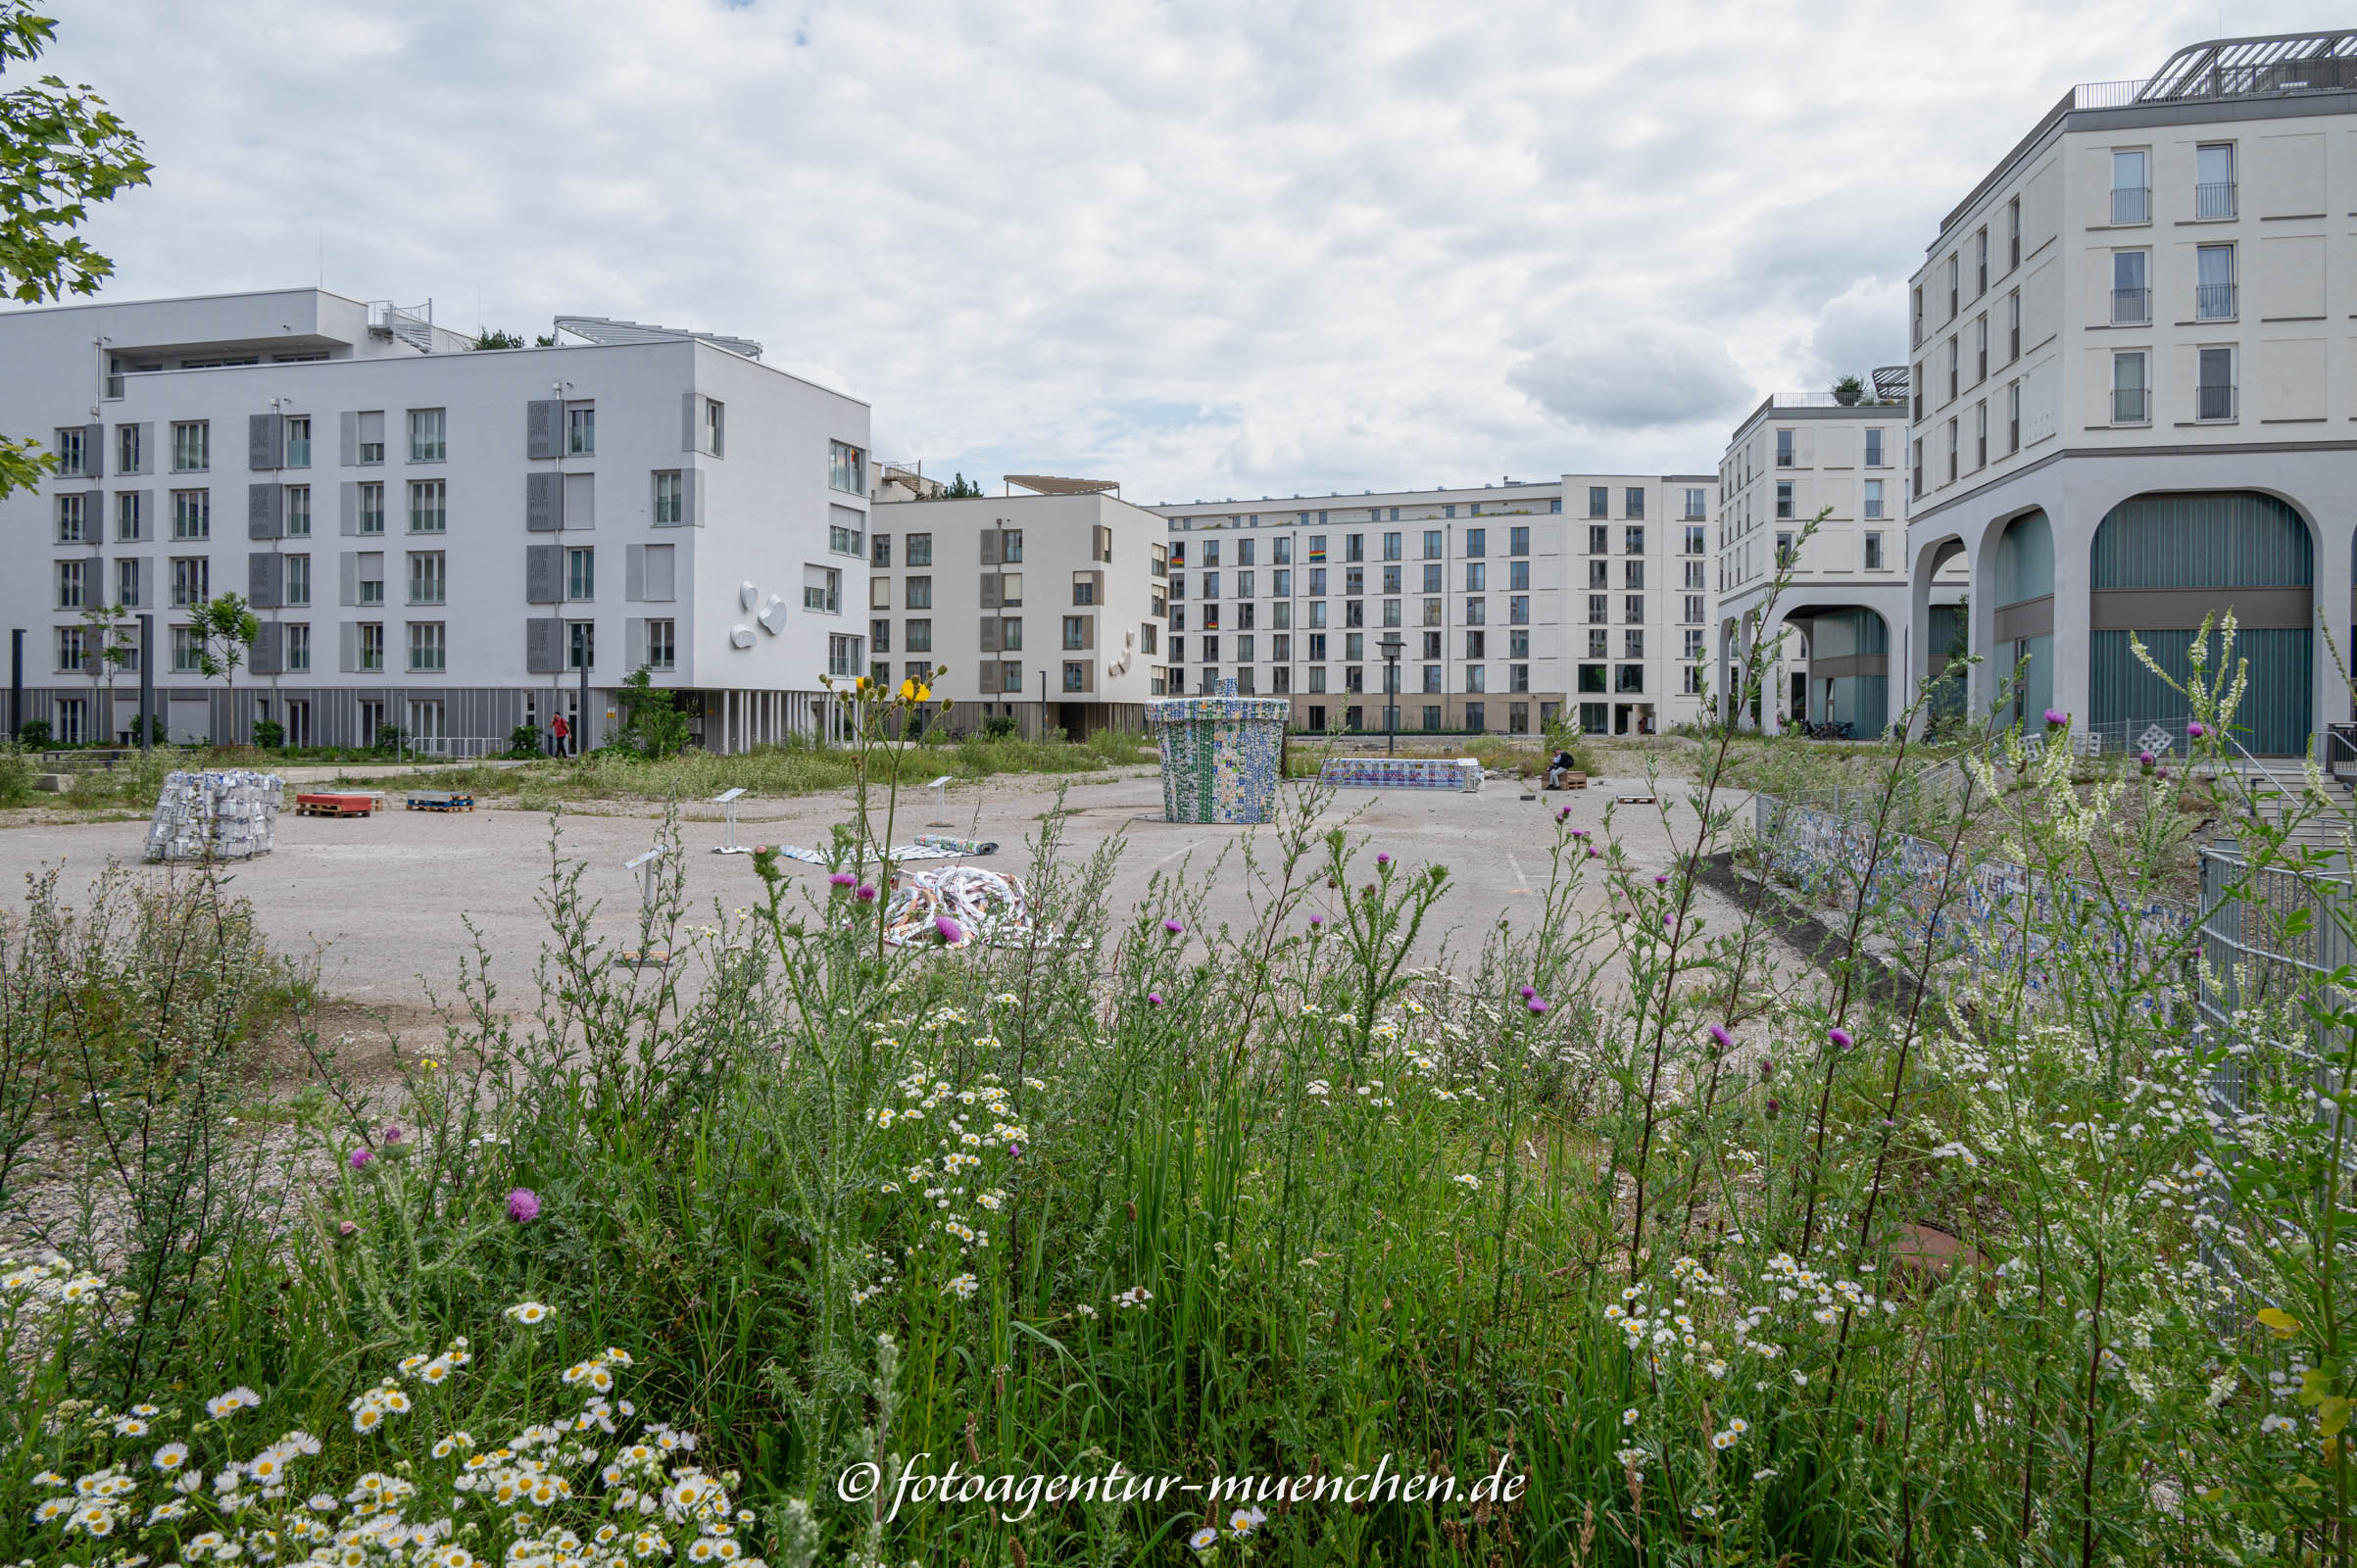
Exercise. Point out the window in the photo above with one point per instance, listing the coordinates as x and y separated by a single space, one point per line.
1476 576
2013 326
2131 187
1477 645
1634 503
669 498
297 432
1599 501
2130 298
72 519
1084 587
1783 449
1477 541
917 594
1477 680
1280 550
296 640
2213 282
1632 575
298 512
1952 378
1599 607
1952 263
191 446
2013 233
427 506
1693 609
2128 385
1518 542
1076 630
580 573
370 439
1874 499
2214 393
1010 634
1628 678
192 513
1599 541
70 447
1210 585
1697 541
1391 581
1952 425
1981 347
1632 609
1632 541
371 508
1873 551
1784 551
426 435
581 431
371 646
187 651
879 632
2214 180
1979 263
1518 609
1354 579
128 457
1433 550
920 550
1592 679
428 579
427 649
1784 497
1915 469
1695 503
1518 576
843 536
715 441
918 638
845 467
879 550
1632 644
127 584
822 590
1980 434
297 582
73 586
581 644
2013 417
368 578
1391 547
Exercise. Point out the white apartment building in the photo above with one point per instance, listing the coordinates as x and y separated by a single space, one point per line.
2135 380
450 542
1844 614
1488 591
1045 607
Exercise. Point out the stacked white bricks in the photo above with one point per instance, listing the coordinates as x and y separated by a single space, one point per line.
215 816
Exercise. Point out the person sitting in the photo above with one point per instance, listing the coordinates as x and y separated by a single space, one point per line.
1558 771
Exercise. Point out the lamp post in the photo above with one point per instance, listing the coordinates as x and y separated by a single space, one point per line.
1391 644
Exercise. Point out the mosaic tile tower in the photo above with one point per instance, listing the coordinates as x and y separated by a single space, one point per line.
1221 754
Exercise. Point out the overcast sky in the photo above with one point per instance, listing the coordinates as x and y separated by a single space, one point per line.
1210 250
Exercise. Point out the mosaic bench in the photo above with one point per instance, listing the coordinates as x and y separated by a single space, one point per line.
1462 773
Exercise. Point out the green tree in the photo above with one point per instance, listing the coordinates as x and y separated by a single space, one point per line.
962 489
651 723
492 337
60 149
225 628
106 635
1849 391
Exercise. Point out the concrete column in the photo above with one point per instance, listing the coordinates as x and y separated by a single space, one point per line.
1918 637
2333 562
2075 529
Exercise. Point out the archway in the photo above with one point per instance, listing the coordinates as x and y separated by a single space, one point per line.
1849 679
2161 563
2021 595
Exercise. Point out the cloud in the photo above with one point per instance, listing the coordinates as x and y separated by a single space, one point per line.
1637 378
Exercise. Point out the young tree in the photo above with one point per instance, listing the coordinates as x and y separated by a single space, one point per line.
110 647
492 337
962 488
651 724
226 628
1849 391
60 149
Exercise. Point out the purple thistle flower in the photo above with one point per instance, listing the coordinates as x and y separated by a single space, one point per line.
1537 1003
2196 730
1595 854
524 1205
1563 815
952 933
1316 920
1383 859
1154 999
360 1160
346 1228
2056 716
842 879
1773 1107
1839 1037
1718 1033
1661 879
1529 992
392 1135
865 895
1174 927
2164 772
1767 1068
2145 758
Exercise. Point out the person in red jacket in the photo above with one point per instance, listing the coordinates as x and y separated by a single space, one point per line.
558 731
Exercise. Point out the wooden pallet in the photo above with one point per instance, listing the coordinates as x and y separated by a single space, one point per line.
335 805
440 801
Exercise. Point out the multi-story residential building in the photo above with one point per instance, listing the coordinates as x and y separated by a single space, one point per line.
1045 607
448 542
1843 618
2132 347
1298 598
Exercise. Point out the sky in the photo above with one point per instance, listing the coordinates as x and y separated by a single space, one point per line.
1211 249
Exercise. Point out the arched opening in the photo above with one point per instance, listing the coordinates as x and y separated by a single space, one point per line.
2022 593
1849 679
1947 640
2160 563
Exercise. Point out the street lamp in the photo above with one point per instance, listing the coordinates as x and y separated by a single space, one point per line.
1391 644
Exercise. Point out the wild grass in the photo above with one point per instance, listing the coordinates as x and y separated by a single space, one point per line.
1728 1261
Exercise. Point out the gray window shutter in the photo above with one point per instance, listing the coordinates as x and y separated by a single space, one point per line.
543 502
691 498
580 507
543 575
662 573
94 451
268 656
348 567
990 634
990 590
540 645
261 441
634 573
347 437
266 511
265 579
348 642
543 428
1088 631
347 509
634 641
687 421
990 547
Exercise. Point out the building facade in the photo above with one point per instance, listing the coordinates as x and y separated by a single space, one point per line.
1488 591
2135 382
450 543
1840 625
1048 609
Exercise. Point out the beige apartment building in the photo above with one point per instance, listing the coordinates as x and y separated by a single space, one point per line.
2135 347
1049 608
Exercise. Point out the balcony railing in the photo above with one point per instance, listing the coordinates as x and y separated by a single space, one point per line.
2214 302
2212 400
2131 203
2131 307
2128 406
2214 199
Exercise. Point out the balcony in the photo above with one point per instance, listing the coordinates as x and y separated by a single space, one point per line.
2129 406
2131 203
2214 199
2214 402
2214 302
2132 306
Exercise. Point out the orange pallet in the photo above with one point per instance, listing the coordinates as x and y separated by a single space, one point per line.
335 805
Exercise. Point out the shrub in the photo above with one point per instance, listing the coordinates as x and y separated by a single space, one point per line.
33 734
269 734
999 727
